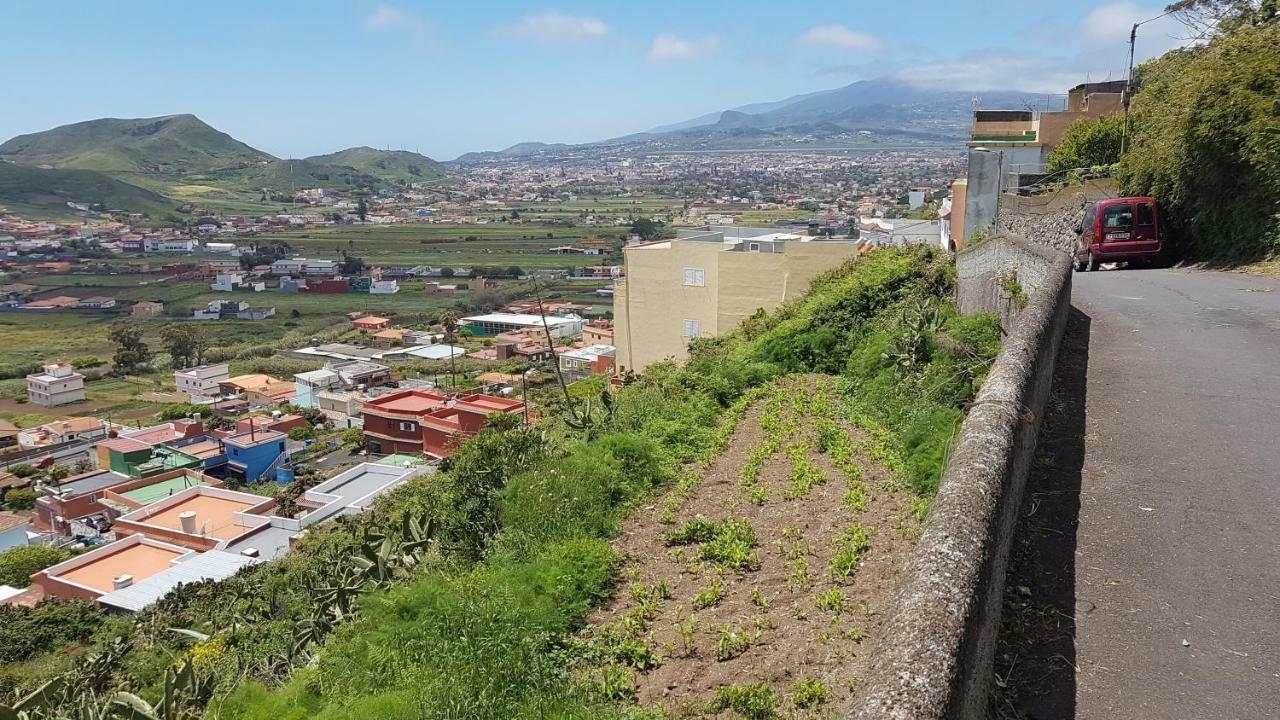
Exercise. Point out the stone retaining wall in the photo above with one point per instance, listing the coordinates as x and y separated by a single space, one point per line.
934 656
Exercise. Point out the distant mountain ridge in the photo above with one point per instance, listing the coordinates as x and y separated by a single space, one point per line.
173 156
865 113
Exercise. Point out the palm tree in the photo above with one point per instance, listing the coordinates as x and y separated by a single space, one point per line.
449 321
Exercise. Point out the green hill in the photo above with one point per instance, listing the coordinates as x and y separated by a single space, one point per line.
388 165
173 145
49 190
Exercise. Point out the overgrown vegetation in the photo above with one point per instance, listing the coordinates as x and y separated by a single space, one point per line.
1205 137
458 595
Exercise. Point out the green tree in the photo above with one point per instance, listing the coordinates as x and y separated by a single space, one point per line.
1204 143
351 265
647 229
1087 143
185 344
18 564
131 352
362 208
446 272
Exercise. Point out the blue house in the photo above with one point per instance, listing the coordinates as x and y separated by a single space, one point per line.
254 453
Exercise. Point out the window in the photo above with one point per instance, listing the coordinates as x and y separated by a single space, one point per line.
754 247
408 426
692 328
1145 216
695 277
1117 216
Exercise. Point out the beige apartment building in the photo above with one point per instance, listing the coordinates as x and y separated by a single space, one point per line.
705 282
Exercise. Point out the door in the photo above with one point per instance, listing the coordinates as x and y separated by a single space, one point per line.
1146 227
1117 229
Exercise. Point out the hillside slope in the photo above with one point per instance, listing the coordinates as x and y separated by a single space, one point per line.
168 145
401 165
50 190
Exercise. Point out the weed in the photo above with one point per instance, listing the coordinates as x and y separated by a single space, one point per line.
920 507
830 600
637 654
758 495
698 530
710 597
758 599
614 683
757 701
790 533
727 545
799 613
809 692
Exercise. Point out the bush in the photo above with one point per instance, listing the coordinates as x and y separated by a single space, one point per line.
21 498
18 564
25 632
757 701
1204 145
1087 143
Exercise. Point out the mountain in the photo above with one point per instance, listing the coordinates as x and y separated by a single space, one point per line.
172 145
48 191
399 165
868 114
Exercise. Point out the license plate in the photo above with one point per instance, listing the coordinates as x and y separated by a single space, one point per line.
1118 236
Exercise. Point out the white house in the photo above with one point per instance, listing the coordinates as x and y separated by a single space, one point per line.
384 287
201 382
59 384
227 282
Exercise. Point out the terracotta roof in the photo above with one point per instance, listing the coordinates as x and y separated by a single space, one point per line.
11 520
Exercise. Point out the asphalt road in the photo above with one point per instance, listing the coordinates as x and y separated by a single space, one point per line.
1152 556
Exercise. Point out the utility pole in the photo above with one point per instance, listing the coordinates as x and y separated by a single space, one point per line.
1128 78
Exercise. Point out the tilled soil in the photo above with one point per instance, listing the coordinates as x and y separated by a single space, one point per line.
791 636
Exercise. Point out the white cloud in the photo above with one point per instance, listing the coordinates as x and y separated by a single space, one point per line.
1095 47
669 46
385 17
555 28
838 36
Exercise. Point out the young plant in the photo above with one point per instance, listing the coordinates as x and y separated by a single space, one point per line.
732 642
709 597
757 701
849 551
808 692
759 600
830 600
799 579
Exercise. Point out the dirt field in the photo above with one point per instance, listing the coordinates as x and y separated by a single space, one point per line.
802 604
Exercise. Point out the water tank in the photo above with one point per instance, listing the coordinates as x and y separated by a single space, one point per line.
188 521
121 581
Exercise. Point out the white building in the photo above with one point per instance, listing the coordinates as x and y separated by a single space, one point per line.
590 360
170 244
201 382
303 266
227 282
384 287
59 384
490 324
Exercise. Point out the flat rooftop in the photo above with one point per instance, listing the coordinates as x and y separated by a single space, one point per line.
517 319
215 516
91 482
148 494
140 560
411 402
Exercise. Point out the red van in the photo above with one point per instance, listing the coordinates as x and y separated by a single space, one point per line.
1120 230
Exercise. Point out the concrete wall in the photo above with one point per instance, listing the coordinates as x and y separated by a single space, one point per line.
934 657
982 196
983 272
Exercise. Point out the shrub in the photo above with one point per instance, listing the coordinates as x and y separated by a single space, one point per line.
21 498
51 624
18 564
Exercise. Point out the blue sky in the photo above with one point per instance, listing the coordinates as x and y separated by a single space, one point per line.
300 77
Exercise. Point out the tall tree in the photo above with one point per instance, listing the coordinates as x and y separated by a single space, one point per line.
449 321
184 344
362 209
131 352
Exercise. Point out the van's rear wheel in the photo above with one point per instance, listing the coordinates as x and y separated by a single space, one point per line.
1077 264
1091 262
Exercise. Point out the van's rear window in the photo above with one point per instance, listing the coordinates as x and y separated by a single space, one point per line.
1145 216
1116 216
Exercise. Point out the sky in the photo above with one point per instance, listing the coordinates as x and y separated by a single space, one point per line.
304 77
